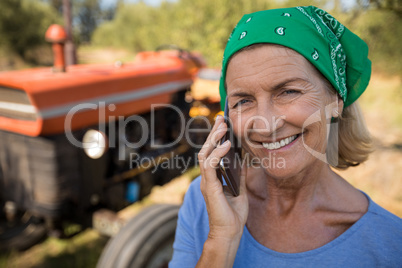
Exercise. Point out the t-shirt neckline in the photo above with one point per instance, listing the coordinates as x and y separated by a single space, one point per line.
344 236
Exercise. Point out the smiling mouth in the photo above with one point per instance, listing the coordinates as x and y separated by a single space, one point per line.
281 143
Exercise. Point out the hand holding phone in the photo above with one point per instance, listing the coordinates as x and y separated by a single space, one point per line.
227 210
230 165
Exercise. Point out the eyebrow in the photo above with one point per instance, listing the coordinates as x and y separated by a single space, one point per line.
288 81
274 88
240 94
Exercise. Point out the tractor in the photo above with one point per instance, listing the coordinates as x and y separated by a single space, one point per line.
79 143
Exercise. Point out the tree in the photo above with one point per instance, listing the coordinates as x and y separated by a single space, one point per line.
27 29
88 15
393 5
205 25
57 5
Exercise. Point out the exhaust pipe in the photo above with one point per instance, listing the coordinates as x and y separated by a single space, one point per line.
56 35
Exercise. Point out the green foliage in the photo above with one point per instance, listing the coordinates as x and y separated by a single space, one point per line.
82 250
88 14
23 24
205 25
202 25
394 5
382 31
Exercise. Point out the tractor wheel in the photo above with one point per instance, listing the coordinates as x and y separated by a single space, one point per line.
21 233
145 241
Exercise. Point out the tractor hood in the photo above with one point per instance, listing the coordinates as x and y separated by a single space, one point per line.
42 102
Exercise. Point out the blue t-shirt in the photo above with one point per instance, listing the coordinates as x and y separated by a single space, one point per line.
375 240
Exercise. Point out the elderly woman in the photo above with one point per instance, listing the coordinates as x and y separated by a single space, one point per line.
292 77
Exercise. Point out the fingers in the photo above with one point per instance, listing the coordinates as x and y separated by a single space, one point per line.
212 161
243 176
218 123
210 156
210 182
216 134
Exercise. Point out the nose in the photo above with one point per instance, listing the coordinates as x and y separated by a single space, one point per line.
267 120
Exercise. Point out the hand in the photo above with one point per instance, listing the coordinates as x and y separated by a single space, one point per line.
227 214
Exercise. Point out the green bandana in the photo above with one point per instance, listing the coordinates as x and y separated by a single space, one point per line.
335 51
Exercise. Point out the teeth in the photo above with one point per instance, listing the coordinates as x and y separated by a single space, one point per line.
279 144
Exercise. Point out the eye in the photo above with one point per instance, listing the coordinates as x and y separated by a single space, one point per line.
240 102
290 92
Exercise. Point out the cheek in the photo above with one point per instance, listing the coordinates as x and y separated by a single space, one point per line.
239 124
312 103
312 119
305 110
295 116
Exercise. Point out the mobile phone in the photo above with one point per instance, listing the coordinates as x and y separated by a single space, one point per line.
230 165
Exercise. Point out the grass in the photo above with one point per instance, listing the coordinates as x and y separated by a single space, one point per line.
84 249
382 102
42 56
89 54
10 61
380 176
80 251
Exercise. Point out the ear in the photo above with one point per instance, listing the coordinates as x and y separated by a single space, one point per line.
338 109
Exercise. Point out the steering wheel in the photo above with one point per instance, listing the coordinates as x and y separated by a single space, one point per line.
181 52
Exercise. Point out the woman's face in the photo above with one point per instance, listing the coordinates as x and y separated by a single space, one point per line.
279 107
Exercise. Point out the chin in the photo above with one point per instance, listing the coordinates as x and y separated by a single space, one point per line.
282 166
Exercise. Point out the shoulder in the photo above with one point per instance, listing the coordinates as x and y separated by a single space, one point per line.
381 215
383 228
194 187
193 195
192 228
194 208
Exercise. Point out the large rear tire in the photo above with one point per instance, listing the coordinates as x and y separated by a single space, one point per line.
146 240
22 233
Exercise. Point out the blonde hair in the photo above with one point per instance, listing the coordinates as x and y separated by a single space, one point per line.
349 142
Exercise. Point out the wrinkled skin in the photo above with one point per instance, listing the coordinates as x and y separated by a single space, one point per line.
271 98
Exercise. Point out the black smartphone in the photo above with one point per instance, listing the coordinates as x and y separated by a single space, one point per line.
230 165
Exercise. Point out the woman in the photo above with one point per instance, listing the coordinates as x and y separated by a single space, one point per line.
287 74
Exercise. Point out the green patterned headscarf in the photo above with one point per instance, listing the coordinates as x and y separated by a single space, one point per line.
335 51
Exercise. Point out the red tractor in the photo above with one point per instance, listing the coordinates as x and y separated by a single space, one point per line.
75 140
